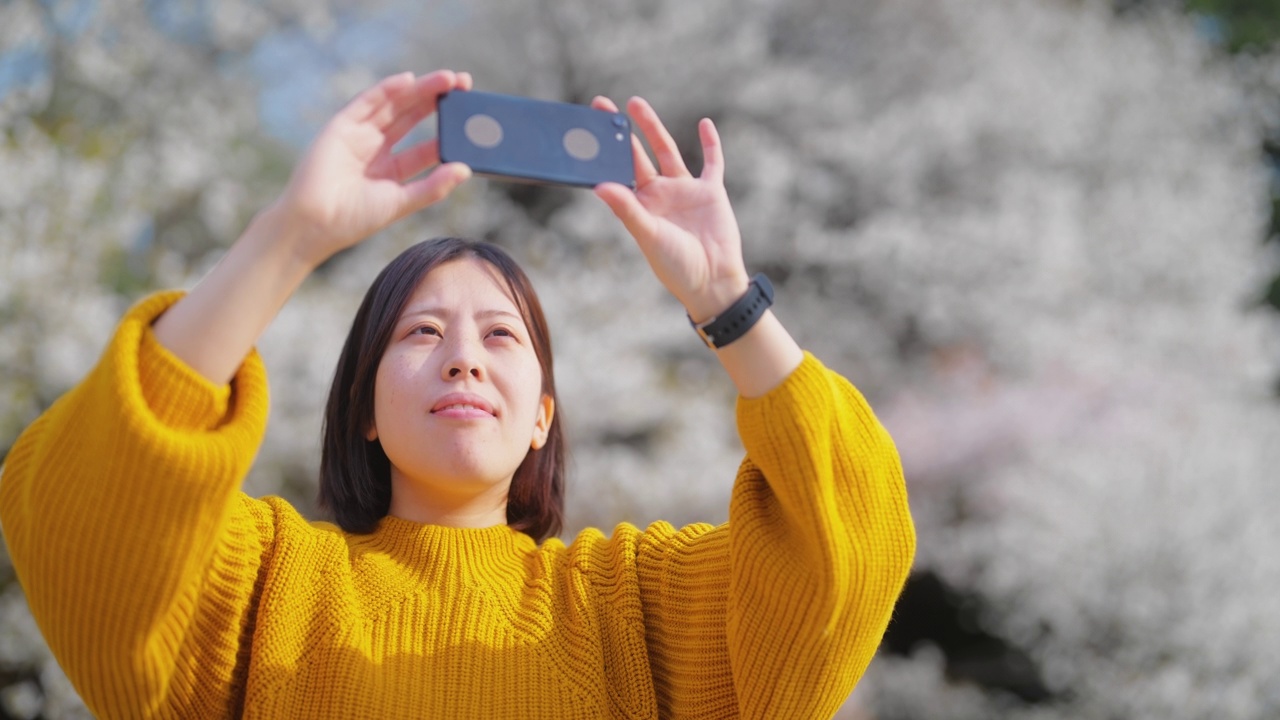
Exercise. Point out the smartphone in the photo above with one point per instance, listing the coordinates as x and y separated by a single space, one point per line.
539 141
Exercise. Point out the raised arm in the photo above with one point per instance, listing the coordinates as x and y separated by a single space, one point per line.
819 540
687 231
120 505
348 186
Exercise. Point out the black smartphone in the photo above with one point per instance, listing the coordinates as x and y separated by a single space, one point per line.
523 139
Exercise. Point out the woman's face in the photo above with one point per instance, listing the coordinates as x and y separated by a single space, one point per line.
458 397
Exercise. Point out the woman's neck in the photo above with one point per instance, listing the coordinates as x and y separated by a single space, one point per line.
451 504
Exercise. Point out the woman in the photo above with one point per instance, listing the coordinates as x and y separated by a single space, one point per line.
164 591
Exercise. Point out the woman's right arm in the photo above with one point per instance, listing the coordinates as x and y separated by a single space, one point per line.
347 187
120 505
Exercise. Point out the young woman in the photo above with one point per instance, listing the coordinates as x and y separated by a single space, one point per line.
164 591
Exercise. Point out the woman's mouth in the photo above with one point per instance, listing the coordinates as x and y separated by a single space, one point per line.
462 406
461 412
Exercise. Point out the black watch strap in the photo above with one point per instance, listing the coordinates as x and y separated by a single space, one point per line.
740 317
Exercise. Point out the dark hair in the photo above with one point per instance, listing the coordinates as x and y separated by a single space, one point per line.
355 473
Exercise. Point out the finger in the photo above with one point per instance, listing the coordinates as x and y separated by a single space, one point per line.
409 118
712 151
408 163
664 147
643 165
601 102
464 81
366 103
623 202
645 171
405 124
434 187
421 103
417 97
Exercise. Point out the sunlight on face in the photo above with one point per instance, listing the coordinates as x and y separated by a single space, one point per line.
458 399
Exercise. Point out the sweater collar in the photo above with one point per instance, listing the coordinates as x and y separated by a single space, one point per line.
477 553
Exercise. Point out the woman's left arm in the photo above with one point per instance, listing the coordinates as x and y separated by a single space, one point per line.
820 535
687 231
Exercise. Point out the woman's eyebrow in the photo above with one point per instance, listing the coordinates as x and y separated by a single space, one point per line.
444 312
486 314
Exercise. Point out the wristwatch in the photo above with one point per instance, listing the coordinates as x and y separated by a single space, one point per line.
740 317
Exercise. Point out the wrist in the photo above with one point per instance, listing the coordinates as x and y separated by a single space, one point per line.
762 359
278 232
739 318
717 298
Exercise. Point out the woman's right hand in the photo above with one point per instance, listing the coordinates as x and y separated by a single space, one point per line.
350 184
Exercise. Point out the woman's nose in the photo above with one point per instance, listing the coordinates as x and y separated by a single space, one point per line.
455 369
464 362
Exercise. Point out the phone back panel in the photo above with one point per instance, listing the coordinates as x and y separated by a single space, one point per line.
535 140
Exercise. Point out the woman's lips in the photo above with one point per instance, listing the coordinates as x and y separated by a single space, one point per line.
461 412
462 406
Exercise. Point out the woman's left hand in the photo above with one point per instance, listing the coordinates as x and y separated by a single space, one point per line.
684 225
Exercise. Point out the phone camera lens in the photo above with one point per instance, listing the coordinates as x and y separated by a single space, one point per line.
581 144
619 121
483 131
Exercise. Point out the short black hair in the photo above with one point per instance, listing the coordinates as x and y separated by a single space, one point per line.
355 473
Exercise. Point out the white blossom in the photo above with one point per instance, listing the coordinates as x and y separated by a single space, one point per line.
1029 231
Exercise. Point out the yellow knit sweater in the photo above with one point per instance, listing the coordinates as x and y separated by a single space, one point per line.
164 591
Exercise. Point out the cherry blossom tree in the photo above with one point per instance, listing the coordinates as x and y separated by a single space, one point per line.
131 155
1029 231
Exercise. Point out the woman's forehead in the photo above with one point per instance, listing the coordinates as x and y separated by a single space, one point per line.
466 283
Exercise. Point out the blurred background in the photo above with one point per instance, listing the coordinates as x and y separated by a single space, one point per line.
1038 234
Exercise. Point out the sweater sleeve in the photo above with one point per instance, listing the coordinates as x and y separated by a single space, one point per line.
123 517
817 549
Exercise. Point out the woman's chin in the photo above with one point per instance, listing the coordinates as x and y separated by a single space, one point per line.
464 475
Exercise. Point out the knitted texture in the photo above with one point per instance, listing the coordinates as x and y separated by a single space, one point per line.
164 591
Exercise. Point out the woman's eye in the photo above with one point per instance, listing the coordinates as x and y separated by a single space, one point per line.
501 332
425 330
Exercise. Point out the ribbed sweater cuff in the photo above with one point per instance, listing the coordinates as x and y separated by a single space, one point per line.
179 397
755 414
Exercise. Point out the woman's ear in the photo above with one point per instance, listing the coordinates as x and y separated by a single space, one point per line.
372 433
542 426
